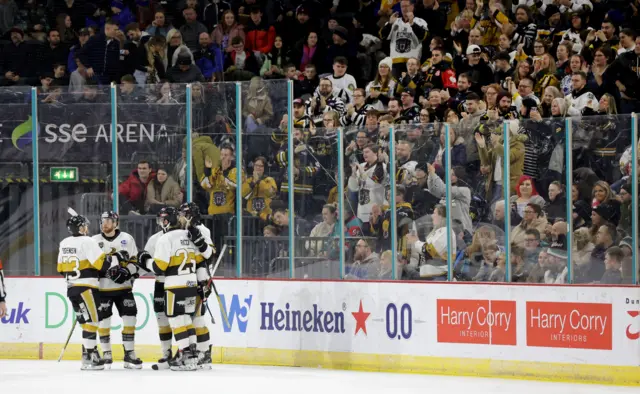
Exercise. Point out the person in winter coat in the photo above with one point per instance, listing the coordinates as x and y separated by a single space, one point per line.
460 195
533 218
159 26
557 207
260 36
122 15
226 31
192 29
257 107
133 191
209 59
184 71
163 191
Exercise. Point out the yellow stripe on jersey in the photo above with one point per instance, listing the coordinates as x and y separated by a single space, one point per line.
104 332
87 297
162 265
170 300
99 262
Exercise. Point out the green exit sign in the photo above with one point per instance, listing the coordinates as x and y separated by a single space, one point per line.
64 174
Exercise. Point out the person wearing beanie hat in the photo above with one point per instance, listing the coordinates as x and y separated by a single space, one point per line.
386 62
608 211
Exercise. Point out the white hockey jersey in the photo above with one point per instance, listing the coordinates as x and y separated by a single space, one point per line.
343 87
578 104
177 258
150 247
80 260
370 183
120 242
404 43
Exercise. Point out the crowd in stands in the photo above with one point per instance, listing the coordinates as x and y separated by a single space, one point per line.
365 66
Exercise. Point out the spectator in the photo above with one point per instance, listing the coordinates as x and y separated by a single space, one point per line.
101 55
367 179
162 191
309 51
209 59
557 207
156 60
276 62
263 189
460 195
343 84
323 100
613 262
342 47
583 102
365 261
15 57
526 193
192 29
159 26
220 182
383 87
533 219
64 25
328 228
121 14
260 36
583 247
595 268
184 71
556 272
356 111
226 31
257 107
133 191
406 34
241 64
175 47
83 37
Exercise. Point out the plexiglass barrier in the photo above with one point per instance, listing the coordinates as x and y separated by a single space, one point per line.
294 192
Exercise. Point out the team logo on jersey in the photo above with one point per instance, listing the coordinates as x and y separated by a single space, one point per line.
101 244
123 242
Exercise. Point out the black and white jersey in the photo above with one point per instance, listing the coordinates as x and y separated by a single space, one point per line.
121 241
3 288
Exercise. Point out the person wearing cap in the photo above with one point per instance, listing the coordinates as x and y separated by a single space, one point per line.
440 75
410 111
473 65
83 37
406 34
184 71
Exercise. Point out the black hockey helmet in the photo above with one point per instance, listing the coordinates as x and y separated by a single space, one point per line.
110 215
75 223
190 211
169 215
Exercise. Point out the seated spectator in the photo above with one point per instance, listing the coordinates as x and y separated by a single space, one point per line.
133 191
557 207
499 272
257 106
184 71
366 262
613 262
259 35
594 270
309 51
175 48
162 191
226 31
526 194
59 75
276 61
533 219
328 228
557 269
83 37
129 91
306 87
159 27
209 59
582 249
240 64
15 58
344 84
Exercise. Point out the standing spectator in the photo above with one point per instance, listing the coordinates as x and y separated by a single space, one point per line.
341 46
623 71
133 191
159 26
191 29
226 31
479 72
368 180
525 30
14 62
122 15
209 59
406 34
257 107
162 191
220 182
263 189
343 84
214 12
74 51
260 36
101 55
323 100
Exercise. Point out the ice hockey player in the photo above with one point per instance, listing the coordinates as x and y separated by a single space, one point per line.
178 258
3 294
145 258
116 288
190 219
82 262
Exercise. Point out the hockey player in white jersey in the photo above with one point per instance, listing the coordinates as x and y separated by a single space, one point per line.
145 257
201 237
116 288
178 258
82 262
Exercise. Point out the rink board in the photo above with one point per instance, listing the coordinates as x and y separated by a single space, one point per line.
561 333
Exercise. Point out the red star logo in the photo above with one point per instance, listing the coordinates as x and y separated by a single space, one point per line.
361 319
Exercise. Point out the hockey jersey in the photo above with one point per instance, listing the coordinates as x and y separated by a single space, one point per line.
221 185
150 247
343 87
260 196
405 43
81 261
178 259
369 182
121 241
3 289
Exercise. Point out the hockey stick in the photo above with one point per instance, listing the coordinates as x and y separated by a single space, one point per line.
223 311
68 338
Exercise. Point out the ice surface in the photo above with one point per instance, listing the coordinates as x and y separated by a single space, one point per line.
50 377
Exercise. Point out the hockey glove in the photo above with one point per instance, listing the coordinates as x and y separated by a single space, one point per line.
196 237
118 274
123 257
204 291
143 259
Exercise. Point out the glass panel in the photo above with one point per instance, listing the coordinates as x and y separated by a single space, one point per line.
151 137
214 128
75 162
601 187
16 187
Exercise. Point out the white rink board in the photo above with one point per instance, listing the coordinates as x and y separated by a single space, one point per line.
558 324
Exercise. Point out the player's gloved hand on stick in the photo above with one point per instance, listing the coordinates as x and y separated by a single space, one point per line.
122 256
194 233
118 274
143 258
204 291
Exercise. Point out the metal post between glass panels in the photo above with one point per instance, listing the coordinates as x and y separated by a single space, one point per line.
568 156
341 198
189 154
239 180
36 180
506 188
290 179
634 196
393 227
114 145
447 170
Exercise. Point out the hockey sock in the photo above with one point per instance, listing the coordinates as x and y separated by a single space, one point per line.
202 333
105 334
165 332
89 335
181 326
128 332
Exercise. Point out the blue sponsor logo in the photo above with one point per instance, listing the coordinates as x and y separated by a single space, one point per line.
16 315
236 312
287 319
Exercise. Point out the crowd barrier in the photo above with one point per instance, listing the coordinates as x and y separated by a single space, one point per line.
67 149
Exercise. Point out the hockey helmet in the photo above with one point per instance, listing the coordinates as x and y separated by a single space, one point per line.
110 215
190 211
75 224
168 218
